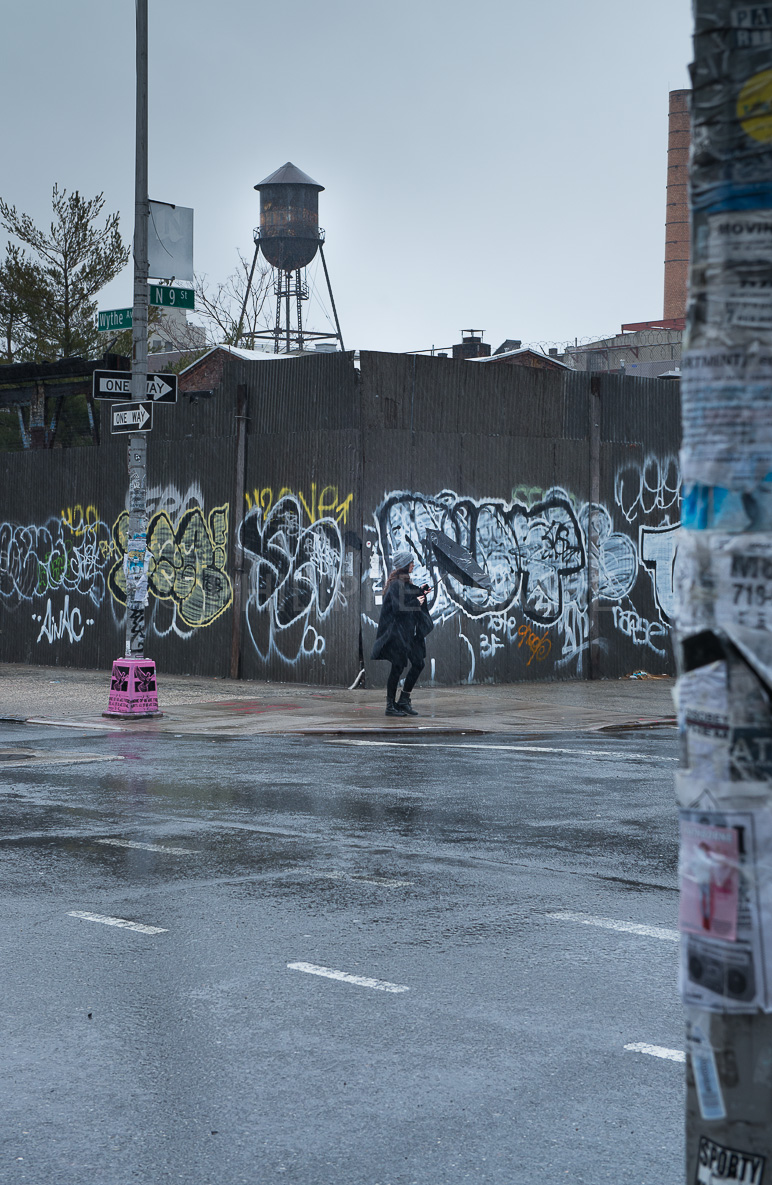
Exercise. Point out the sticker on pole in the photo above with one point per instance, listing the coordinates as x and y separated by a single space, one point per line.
716 1162
706 1079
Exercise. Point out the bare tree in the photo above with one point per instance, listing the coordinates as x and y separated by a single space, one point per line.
235 308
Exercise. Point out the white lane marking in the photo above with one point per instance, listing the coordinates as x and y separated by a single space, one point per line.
147 847
83 725
507 748
587 919
55 759
382 881
108 921
381 985
671 1055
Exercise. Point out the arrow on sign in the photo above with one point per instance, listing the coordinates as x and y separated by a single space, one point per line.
116 384
132 417
156 387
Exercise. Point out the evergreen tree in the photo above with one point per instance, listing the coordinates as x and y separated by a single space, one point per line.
47 297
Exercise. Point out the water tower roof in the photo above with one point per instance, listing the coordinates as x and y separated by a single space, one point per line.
289 174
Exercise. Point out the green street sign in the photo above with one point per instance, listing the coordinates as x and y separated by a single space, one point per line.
172 298
115 320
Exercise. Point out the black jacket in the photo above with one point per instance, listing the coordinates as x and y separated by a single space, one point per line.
403 625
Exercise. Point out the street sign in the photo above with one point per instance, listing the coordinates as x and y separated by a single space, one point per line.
162 388
115 319
116 384
172 298
131 417
159 294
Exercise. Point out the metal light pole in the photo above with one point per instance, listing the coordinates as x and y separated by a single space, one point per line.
133 691
723 578
136 582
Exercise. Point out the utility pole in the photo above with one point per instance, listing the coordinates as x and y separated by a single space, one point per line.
136 576
723 582
133 691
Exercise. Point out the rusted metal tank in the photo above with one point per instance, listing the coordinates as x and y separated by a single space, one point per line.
289 218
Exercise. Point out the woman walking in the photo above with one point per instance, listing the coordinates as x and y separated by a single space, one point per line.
404 623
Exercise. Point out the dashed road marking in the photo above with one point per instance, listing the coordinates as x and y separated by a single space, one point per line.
587 919
506 748
380 985
122 922
383 882
147 847
671 1055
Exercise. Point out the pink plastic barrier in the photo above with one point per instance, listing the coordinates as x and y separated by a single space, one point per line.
133 689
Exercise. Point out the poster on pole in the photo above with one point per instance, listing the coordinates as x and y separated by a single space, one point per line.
170 242
725 933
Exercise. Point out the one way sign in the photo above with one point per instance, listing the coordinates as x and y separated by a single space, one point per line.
131 417
116 384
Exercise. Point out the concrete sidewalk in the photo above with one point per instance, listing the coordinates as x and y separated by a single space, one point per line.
224 707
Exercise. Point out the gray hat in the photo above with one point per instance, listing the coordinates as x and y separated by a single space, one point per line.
402 559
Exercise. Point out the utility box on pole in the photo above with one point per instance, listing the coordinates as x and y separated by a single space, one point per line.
723 577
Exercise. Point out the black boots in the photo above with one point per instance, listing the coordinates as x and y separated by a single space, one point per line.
404 704
400 707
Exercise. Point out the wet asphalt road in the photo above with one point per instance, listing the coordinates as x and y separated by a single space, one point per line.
198 1054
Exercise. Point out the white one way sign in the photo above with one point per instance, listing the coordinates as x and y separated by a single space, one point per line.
131 417
116 384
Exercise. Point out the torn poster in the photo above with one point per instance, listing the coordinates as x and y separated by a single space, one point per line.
723 974
709 877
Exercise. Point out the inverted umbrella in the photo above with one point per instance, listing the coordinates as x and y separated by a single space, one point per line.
456 560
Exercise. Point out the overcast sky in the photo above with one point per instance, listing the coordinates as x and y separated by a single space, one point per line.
498 165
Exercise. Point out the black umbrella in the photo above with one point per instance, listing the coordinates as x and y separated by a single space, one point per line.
453 559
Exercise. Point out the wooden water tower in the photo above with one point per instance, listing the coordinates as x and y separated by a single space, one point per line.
289 237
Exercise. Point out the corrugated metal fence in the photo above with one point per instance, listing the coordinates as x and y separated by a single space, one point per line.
307 473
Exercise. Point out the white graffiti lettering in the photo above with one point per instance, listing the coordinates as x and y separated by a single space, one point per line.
294 582
69 624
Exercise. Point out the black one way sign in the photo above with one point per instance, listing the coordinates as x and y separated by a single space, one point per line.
131 417
116 384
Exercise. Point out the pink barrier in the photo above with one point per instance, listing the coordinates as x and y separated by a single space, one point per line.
133 689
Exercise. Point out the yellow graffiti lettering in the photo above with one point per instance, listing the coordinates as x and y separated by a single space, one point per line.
326 504
342 509
80 519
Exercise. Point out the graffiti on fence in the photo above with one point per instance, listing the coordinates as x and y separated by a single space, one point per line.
535 551
658 547
36 561
654 486
294 579
527 551
319 504
187 565
69 624
183 564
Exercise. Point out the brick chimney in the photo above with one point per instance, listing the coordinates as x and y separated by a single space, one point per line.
677 213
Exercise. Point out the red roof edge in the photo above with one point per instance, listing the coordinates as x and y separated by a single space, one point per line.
663 323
